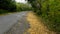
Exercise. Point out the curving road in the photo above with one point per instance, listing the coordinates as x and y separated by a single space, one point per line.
7 21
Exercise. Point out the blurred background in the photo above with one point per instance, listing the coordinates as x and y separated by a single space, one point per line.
48 10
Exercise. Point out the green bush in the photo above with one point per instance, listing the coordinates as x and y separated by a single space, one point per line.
23 7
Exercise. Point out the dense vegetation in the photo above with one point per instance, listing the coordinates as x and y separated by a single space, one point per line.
23 7
13 6
49 10
9 5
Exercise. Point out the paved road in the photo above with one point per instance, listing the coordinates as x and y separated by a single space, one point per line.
7 21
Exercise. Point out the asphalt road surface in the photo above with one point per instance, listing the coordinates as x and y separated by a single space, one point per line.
7 21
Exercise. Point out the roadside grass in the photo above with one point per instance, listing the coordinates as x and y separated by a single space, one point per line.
6 12
51 18
52 21
3 11
36 25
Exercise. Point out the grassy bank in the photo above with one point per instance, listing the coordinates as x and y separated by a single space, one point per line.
49 10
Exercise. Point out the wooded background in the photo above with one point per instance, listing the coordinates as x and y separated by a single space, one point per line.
13 6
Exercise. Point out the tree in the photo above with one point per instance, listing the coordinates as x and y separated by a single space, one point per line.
8 5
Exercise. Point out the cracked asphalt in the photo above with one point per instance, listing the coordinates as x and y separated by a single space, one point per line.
14 23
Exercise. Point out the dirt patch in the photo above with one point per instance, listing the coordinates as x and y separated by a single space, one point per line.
36 25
